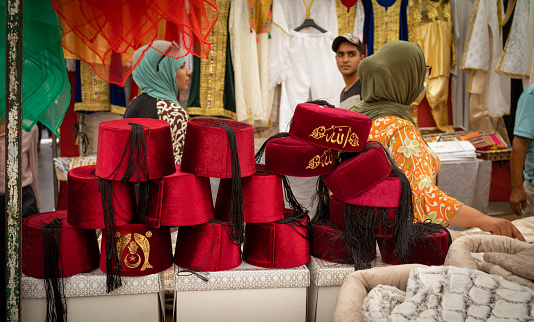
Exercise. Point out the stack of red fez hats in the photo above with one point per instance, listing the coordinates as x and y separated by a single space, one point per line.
362 196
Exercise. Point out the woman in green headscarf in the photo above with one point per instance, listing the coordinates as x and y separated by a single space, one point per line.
392 79
160 78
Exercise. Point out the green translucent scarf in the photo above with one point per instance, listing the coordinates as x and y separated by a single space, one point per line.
157 77
45 83
392 79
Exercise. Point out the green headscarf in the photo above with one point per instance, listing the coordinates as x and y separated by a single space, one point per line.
392 79
157 82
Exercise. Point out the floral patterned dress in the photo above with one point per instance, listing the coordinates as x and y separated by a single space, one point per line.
419 163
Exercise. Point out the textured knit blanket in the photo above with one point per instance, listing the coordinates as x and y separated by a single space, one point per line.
448 293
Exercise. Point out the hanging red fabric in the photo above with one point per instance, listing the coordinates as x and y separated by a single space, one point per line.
105 34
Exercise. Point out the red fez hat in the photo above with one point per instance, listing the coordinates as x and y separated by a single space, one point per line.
263 198
134 150
281 244
51 249
141 250
428 249
359 173
181 199
292 157
328 244
208 149
84 206
331 128
207 247
78 248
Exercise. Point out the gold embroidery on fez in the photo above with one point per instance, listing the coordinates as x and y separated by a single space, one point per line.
323 160
340 135
145 246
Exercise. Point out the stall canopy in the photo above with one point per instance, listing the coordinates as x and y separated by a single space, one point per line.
105 34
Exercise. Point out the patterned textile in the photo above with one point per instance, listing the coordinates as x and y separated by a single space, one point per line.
448 293
177 117
420 165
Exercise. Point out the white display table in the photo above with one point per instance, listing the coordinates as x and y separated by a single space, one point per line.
245 293
325 280
138 299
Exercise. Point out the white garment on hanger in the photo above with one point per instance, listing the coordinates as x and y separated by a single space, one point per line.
248 95
517 56
314 74
484 53
359 20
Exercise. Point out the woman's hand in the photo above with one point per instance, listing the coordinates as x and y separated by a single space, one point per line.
470 217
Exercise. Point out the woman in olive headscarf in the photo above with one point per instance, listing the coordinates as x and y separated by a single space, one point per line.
160 77
392 79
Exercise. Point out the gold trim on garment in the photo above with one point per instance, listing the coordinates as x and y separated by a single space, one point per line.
387 23
117 109
213 69
287 33
341 13
505 49
94 90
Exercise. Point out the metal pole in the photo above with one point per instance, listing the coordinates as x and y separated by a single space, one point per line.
54 155
13 156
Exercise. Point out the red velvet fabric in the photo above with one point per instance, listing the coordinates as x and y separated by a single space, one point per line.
337 215
142 250
112 159
385 193
207 247
292 157
207 150
331 128
78 247
277 245
183 199
85 205
263 198
328 244
428 250
358 174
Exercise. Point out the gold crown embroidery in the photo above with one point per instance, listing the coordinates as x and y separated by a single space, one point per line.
340 135
323 160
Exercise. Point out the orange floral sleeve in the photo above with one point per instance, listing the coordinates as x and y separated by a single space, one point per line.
420 164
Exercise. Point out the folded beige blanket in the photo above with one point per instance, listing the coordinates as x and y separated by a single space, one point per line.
358 284
504 256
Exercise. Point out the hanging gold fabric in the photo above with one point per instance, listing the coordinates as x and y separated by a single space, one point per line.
430 26
345 21
95 92
387 23
213 69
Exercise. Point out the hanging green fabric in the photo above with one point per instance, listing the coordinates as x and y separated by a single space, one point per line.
45 84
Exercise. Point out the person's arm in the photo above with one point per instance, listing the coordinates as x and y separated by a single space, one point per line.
466 216
518 196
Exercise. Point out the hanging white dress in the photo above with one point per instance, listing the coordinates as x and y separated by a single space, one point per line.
517 55
303 62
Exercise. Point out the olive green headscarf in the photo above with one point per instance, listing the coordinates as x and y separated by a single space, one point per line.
392 79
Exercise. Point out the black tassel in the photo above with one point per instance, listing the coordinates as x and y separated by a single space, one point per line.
322 198
137 159
261 151
113 266
237 217
56 302
142 201
359 234
295 206
297 220
333 240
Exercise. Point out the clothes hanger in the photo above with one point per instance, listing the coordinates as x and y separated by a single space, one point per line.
308 22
